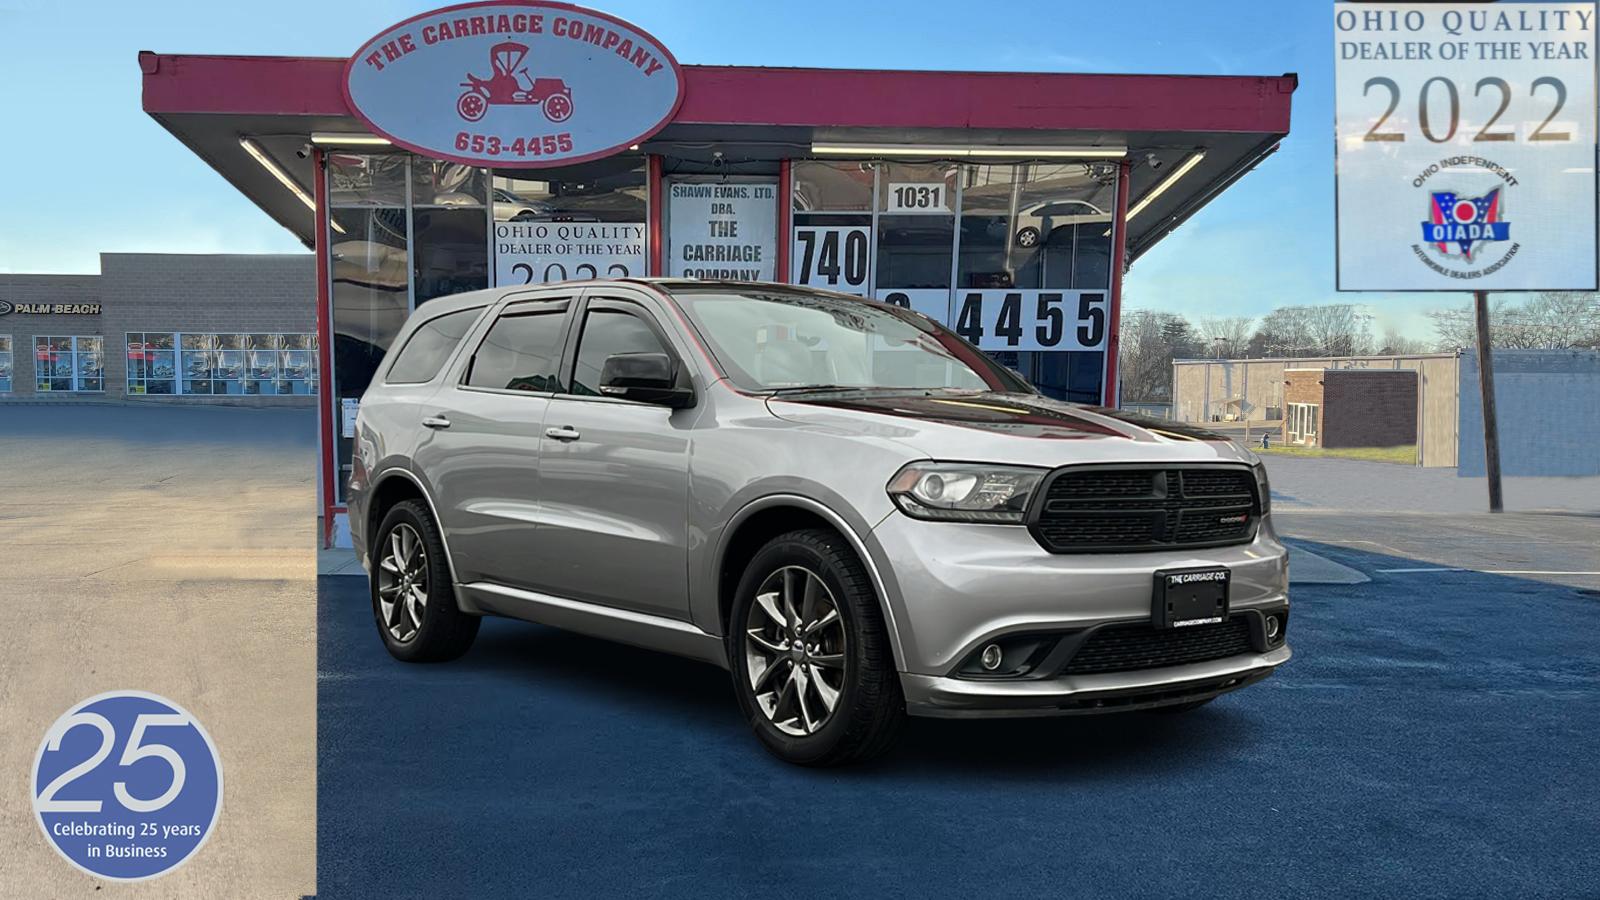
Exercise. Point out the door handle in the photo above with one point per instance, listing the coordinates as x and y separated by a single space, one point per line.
438 421
564 433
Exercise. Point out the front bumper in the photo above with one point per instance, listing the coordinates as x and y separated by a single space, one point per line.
952 589
928 695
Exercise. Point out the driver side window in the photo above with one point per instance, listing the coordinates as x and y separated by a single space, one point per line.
606 331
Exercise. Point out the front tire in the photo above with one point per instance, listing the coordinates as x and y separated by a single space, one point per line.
413 598
810 654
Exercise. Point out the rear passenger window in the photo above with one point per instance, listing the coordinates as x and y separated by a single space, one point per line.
520 352
429 346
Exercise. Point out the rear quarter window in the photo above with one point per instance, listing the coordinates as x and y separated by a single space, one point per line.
429 346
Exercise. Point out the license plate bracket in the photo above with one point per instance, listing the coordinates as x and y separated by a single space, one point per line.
1187 597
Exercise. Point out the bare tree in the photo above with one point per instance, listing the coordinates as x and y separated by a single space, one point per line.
1150 341
1337 329
1552 320
1396 344
1226 335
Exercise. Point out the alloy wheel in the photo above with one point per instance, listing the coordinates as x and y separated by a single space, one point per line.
403 583
795 651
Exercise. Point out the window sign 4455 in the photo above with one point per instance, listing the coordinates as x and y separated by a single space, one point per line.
1008 319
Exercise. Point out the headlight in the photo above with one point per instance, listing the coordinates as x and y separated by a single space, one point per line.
1263 489
965 492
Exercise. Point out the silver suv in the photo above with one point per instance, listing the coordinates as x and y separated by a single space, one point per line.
856 512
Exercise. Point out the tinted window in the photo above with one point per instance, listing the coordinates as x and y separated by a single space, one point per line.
430 345
520 352
608 331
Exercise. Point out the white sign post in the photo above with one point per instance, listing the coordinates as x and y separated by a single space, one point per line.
723 231
1465 155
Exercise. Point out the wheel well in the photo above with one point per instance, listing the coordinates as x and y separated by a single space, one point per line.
389 491
751 534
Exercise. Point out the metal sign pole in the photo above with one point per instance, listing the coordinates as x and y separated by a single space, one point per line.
1491 428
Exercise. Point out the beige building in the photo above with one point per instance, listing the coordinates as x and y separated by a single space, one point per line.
1251 390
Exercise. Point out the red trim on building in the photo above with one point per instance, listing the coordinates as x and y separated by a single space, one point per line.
328 456
653 178
753 95
785 212
1109 392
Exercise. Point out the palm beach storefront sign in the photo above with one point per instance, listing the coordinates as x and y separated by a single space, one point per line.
49 309
514 84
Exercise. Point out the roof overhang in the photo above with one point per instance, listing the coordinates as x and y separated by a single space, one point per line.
210 102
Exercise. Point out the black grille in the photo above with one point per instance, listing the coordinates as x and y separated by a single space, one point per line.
1106 508
1123 648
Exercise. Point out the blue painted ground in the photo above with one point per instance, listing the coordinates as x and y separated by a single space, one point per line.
1434 736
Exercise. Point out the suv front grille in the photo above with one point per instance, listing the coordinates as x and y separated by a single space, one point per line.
1124 648
1098 509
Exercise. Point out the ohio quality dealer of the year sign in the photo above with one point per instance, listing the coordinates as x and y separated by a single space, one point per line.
1465 155
514 84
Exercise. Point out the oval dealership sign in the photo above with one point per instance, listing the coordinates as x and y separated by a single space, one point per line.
514 84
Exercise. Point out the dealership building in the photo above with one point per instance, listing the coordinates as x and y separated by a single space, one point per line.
163 328
520 143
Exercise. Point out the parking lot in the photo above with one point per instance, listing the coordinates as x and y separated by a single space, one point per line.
167 550
1433 736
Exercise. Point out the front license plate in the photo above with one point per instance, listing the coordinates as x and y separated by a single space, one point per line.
1186 597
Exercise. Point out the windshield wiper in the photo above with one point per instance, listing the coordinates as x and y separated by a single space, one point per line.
819 388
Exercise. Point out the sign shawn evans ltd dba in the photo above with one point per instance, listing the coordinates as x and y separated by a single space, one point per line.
514 84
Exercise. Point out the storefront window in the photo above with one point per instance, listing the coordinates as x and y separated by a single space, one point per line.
370 271
358 179
832 245
1029 246
916 234
578 222
5 364
449 229
152 363
1033 270
227 364
68 364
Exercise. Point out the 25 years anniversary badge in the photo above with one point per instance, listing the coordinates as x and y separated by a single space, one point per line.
127 785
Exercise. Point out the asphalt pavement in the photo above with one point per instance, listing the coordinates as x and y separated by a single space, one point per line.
1433 737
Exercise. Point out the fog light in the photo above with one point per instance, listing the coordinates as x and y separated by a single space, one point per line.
1272 628
992 657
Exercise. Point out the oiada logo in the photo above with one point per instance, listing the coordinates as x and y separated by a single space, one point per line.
1462 230
521 83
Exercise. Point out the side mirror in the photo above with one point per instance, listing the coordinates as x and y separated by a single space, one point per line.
646 378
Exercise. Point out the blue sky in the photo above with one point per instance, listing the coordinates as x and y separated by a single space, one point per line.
88 171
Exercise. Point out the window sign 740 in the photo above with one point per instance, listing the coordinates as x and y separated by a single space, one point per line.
1031 319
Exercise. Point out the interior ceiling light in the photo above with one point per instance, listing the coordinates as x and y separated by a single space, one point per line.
272 167
968 152
341 139
1165 183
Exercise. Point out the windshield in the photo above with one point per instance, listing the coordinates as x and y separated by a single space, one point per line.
771 339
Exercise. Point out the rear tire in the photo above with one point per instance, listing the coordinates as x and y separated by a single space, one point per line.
413 597
842 656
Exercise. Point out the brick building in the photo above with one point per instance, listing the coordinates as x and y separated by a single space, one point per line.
178 328
1350 407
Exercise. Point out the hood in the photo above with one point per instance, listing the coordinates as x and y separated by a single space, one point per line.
1022 429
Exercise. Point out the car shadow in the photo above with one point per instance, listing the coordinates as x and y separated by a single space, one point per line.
669 691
